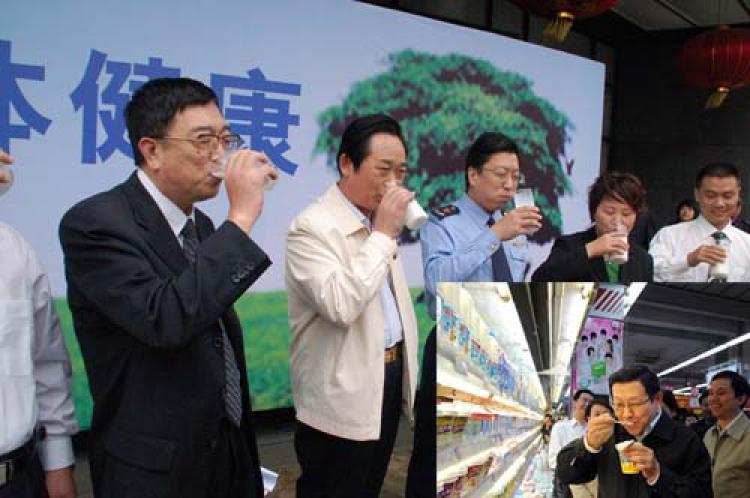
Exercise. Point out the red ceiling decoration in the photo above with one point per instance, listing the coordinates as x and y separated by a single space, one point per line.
718 60
564 12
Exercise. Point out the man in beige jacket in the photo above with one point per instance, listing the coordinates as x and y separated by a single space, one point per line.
728 442
354 332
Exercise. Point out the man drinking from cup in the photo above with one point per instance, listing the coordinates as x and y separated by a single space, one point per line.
473 239
708 247
641 454
354 332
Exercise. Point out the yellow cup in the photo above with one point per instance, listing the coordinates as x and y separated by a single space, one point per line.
626 465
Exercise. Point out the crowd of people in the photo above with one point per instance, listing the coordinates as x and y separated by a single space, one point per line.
151 284
709 457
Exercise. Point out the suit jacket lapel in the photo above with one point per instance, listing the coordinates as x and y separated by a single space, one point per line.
158 234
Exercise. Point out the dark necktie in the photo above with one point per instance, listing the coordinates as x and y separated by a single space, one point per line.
500 268
232 392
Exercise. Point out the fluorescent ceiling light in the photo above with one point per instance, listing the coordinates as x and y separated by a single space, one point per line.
687 389
710 352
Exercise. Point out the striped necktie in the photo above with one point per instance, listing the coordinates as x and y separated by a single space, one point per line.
232 392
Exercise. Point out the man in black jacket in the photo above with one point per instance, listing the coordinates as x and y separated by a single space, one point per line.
151 286
670 459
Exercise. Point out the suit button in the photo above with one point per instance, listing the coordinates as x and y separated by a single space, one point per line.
218 342
236 279
249 268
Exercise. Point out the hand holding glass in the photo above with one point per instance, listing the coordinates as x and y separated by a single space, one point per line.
626 465
415 216
619 258
221 167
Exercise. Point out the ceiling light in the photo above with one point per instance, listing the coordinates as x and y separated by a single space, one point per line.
710 352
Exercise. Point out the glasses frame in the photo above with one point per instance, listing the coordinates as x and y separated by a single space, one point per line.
632 406
208 142
502 176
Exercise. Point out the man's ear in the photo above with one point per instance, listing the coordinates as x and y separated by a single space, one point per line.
346 166
151 152
473 175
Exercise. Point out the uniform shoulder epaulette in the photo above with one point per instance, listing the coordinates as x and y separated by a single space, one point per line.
445 211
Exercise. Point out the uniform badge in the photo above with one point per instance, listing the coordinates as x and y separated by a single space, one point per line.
445 211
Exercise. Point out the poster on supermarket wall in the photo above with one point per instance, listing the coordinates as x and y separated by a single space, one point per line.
598 352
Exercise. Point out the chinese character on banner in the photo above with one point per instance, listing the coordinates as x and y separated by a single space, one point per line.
11 95
106 105
252 113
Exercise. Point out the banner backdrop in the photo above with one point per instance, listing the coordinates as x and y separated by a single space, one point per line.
289 75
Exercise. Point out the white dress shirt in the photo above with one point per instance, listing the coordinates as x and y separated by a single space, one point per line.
174 215
393 331
671 245
562 433
35 372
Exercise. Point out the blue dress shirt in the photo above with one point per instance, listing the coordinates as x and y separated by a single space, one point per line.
458 247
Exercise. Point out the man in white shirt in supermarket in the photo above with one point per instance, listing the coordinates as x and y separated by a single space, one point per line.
36 407
685 252
566 431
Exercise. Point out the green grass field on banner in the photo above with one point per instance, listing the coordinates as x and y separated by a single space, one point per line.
264 321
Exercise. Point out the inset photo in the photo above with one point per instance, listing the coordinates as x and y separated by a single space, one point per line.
584 389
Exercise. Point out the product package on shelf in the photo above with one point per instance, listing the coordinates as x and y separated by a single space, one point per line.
490 403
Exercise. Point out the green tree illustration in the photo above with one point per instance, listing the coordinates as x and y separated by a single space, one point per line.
443 104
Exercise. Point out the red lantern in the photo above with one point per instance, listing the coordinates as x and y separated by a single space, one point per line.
564 12
718 60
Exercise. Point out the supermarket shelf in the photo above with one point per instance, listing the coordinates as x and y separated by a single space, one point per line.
448 387
477 458
466 382
499 485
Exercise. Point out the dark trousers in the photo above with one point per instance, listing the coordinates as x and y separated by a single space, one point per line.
28 483
420 482
231 476
334 467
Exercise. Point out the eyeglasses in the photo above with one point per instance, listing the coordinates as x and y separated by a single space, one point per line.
503 174
206 142
621 407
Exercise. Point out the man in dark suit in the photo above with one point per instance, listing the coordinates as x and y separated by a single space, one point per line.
151 286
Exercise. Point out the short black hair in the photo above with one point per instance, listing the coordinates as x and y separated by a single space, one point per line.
642 374
590 350
689 203
739 383
600 402
578 393
155 104
355 141
720 170
603 331
593 334
488 143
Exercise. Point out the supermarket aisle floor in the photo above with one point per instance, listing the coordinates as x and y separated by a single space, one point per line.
538 482
275 435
